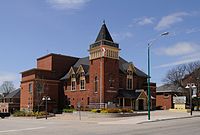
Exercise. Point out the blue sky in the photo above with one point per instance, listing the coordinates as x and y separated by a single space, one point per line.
33 28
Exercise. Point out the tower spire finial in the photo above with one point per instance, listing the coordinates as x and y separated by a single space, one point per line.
104 21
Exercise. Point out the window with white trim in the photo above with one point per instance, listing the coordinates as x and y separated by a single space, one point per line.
130 80
95 84
82 81
30 88
73 82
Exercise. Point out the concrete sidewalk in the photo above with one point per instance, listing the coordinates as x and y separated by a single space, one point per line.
155 116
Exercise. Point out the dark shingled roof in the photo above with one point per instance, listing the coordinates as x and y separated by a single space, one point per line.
82 61
123 66
104 34
128 94
168 88
14 94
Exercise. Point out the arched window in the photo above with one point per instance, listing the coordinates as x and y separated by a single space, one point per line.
95 84
111 81
73 82
129 80
82 81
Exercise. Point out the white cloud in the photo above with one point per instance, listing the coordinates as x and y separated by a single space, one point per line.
192 30
121 35
180 48
142 21
67 4
179 62
171 19
4 76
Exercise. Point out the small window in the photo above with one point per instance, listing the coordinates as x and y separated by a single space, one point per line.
30 88
82 84
73 76
111 81
166 95
88 100
130 82
73 85
95 84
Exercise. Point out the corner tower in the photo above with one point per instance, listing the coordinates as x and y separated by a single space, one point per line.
104 67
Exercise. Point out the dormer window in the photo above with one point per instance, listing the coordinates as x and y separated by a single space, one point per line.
73 82
82 81
129 80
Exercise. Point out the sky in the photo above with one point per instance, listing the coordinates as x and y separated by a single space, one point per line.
30 29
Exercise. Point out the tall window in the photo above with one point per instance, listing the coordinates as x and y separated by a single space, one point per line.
111 81
130 80
73 82
82 81
30 88
95 84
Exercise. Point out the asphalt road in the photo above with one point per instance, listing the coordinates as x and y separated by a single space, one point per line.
18 126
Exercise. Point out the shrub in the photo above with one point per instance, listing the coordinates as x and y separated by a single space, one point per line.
68 110
126 110
114 110
96 110
104 111
28 114
19 113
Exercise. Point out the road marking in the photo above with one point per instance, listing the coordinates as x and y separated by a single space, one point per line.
18 130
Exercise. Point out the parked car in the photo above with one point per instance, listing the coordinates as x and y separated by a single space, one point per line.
3 115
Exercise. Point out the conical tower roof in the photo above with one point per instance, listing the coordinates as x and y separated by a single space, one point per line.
104 34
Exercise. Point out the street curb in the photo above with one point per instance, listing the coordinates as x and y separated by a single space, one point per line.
167 119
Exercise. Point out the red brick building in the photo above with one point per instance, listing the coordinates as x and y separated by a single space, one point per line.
103 79
11 102
165 94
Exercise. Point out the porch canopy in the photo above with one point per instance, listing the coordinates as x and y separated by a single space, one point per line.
128 98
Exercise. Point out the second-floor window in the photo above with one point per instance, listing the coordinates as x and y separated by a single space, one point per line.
73 82
129 80
30 88
111 81
82 82
95 84
129 83
73 85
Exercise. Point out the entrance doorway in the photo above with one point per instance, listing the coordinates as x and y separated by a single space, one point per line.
141 104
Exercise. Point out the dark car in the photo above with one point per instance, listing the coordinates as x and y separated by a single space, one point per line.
3 115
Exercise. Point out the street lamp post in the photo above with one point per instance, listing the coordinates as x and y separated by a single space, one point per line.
190 86
149 76
46 98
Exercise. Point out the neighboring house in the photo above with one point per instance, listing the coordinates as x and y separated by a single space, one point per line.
11 102
102 79
165 94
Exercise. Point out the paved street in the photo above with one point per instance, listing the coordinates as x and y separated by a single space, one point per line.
21 126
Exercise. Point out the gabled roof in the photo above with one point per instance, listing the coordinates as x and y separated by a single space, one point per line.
129 94
123 66
82 61
168 88
14 94
104 34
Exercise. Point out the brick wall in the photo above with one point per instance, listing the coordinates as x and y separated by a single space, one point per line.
164 100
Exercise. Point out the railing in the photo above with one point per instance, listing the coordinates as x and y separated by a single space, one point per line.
104 42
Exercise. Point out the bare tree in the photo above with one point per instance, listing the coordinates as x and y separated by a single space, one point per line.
175 75
39 87
7 87
178 73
